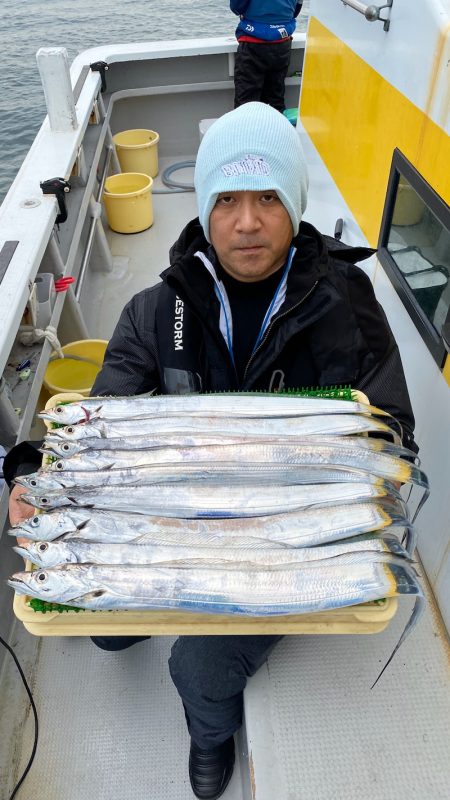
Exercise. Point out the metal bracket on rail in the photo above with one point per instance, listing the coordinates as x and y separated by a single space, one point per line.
101 67
59 187
371 13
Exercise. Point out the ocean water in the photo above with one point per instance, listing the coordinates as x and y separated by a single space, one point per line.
78 25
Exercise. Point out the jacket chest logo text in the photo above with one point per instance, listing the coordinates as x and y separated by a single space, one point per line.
250 165
178 324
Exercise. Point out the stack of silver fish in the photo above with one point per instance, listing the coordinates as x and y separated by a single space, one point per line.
231 503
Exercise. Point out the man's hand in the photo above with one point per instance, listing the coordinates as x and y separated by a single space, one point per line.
19 511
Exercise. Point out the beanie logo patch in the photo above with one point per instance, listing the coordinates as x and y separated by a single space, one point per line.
250 165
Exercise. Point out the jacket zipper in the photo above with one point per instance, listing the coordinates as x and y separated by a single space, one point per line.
274 321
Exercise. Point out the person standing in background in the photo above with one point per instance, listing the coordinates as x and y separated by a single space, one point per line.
264 34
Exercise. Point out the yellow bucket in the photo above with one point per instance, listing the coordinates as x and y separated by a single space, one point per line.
137 151
78 370
128 202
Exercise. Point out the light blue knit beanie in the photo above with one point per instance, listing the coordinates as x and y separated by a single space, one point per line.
251 148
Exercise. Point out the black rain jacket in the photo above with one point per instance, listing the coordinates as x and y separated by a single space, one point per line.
330 330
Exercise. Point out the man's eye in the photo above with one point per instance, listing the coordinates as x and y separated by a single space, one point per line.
226 200
269 198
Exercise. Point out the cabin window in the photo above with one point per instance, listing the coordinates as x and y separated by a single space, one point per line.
414 248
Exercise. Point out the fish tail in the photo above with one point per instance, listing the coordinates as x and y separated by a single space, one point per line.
423 499
419 607
409 539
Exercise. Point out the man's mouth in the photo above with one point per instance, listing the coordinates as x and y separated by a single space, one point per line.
250 248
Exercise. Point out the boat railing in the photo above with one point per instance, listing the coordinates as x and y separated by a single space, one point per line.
74 151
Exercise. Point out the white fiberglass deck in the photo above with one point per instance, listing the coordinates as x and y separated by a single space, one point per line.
112 727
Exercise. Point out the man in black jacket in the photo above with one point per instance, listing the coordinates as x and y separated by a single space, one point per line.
254 299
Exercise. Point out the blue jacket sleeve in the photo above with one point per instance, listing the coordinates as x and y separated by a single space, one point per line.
238 6
298 8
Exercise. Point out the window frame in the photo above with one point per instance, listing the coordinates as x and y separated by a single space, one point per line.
401 167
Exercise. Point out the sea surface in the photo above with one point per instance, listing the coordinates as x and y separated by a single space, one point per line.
77 25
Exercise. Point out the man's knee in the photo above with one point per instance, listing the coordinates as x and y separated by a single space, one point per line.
217 667
197 668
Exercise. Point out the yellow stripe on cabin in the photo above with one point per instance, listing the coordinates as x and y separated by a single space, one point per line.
355 119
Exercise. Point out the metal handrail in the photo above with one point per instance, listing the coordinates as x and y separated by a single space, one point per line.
90 240
372 12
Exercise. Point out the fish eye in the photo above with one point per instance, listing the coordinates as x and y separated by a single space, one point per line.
58 409
42 547
59 465
33 482
41 577
70 429
35 522
66 447
44 500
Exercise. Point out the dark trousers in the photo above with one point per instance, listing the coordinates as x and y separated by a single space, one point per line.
260 71
210 674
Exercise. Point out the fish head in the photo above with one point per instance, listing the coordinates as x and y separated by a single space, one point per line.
59 466
45 554
49 500
39 482
65 414
57 584
44 527
75 432
61 448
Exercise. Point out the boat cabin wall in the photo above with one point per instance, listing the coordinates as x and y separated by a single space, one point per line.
366 93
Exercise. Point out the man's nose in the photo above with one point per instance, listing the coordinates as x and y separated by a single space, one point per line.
248 219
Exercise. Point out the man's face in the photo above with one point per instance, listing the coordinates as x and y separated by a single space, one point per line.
251 233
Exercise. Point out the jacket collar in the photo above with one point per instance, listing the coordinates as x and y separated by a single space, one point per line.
312 262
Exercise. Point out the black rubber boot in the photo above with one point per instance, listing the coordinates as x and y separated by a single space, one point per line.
113 643
210 770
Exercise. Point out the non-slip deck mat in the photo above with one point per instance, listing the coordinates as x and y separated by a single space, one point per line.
317 732
111 725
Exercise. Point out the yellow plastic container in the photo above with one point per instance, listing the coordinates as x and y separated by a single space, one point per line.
128 202
78 370
137 151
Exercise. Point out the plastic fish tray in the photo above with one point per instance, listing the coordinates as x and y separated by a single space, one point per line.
364 618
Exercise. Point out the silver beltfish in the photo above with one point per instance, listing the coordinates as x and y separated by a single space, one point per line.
159 428
302 528
325 523
208 474
231 405
371 456
192 501
220 591
50 554
73 458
